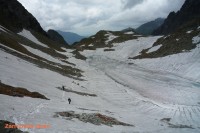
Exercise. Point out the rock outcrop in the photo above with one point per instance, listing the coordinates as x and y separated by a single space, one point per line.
55 36
190 11
15 17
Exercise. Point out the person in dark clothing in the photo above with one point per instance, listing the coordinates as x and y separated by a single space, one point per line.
63 87
69 100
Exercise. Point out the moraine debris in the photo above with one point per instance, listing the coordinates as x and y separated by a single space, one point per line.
93 118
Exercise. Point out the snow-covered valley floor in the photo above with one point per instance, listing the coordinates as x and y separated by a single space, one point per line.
153 100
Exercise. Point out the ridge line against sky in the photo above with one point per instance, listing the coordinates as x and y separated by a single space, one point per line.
86 17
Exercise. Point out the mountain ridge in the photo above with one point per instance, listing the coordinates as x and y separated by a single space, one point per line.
188 12
14 17
148 27
54 35
17 21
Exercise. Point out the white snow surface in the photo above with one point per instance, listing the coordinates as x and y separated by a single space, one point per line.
155 48
129 32
123 50
16 51
44 55
110 37
90 45
27 34
2 29
140 94
68 52
185 64
189 31
196 39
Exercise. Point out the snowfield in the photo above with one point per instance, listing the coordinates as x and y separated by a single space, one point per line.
155 48
27 34
160 95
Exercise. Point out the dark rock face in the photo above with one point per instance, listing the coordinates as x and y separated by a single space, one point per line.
55 36
190 11
149 27
177 42
15 17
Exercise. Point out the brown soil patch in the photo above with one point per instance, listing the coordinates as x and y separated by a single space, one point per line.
19 92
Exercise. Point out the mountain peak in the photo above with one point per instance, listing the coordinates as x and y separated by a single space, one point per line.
16 18
128 29
190 11
149 27
55 36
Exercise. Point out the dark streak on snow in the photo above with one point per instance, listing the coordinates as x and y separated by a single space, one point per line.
76 92
167 121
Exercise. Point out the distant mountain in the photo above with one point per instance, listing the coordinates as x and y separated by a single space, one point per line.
149 27
70 37
190 11
14 17
54 35
128 30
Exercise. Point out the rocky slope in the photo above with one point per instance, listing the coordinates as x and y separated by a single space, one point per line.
54 35
21 35
178 42
190 11
15 17
181 28
105 39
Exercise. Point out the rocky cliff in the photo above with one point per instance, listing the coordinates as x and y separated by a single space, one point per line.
190 11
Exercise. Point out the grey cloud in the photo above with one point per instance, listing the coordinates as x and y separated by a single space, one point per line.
87 16
131 3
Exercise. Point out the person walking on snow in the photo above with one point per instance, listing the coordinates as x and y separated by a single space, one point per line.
69 100
63 88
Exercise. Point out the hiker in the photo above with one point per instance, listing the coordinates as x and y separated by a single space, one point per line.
69 100
63 87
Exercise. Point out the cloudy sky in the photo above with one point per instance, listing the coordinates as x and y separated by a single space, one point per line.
86 17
